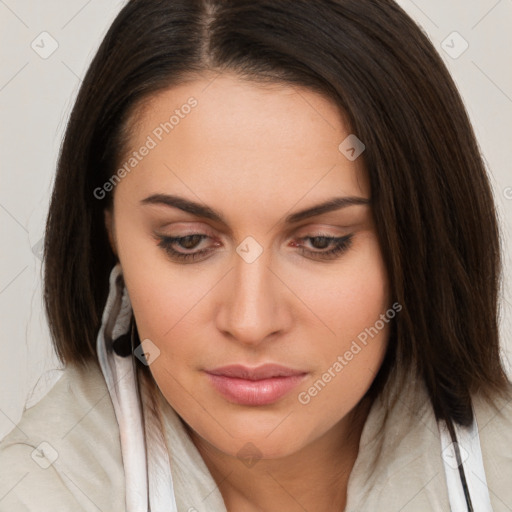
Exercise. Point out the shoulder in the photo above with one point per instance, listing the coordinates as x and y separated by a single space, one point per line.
65 452
494 423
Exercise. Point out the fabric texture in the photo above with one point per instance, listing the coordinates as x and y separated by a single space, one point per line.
144 451
75 449
120 376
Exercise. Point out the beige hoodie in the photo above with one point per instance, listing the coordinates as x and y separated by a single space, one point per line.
65 455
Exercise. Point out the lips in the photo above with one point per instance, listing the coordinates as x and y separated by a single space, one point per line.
262 385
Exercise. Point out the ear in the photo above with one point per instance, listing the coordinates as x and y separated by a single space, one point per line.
110 227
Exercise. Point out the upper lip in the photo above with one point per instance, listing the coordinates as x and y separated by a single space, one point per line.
265 371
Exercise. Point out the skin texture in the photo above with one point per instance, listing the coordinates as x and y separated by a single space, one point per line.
255 153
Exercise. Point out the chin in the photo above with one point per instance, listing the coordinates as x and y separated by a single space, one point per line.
242 440
254 448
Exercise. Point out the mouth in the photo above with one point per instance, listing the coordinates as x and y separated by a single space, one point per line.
262 385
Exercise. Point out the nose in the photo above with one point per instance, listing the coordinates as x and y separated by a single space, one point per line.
253 308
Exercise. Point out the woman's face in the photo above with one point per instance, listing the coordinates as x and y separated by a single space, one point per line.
260 284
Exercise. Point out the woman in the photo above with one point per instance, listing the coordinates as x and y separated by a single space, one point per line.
271 269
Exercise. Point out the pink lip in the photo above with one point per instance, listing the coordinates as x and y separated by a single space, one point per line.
254 386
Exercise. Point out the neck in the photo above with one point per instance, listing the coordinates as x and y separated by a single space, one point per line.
315 478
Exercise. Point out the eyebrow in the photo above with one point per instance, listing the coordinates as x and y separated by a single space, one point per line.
200 210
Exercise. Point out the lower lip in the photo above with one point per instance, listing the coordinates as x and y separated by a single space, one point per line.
254 392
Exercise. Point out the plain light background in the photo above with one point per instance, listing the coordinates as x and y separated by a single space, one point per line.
37 91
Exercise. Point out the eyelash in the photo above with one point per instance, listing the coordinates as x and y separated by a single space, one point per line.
341 245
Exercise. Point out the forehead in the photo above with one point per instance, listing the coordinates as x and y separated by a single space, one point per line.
225 137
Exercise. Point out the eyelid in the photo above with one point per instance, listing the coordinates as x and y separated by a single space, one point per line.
310 235
339 245
323 230
306 228
303 233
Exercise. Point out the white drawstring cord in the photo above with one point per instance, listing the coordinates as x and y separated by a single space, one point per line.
470 453
120 373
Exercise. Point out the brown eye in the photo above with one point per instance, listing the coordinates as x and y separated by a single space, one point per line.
171 245
340 245
188 242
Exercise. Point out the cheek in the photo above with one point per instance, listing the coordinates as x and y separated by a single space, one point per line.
159 292
354 307
349 297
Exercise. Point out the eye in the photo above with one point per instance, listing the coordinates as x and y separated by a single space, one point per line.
186 242
338 245
170 244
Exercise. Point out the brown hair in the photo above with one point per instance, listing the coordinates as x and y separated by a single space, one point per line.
431 197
